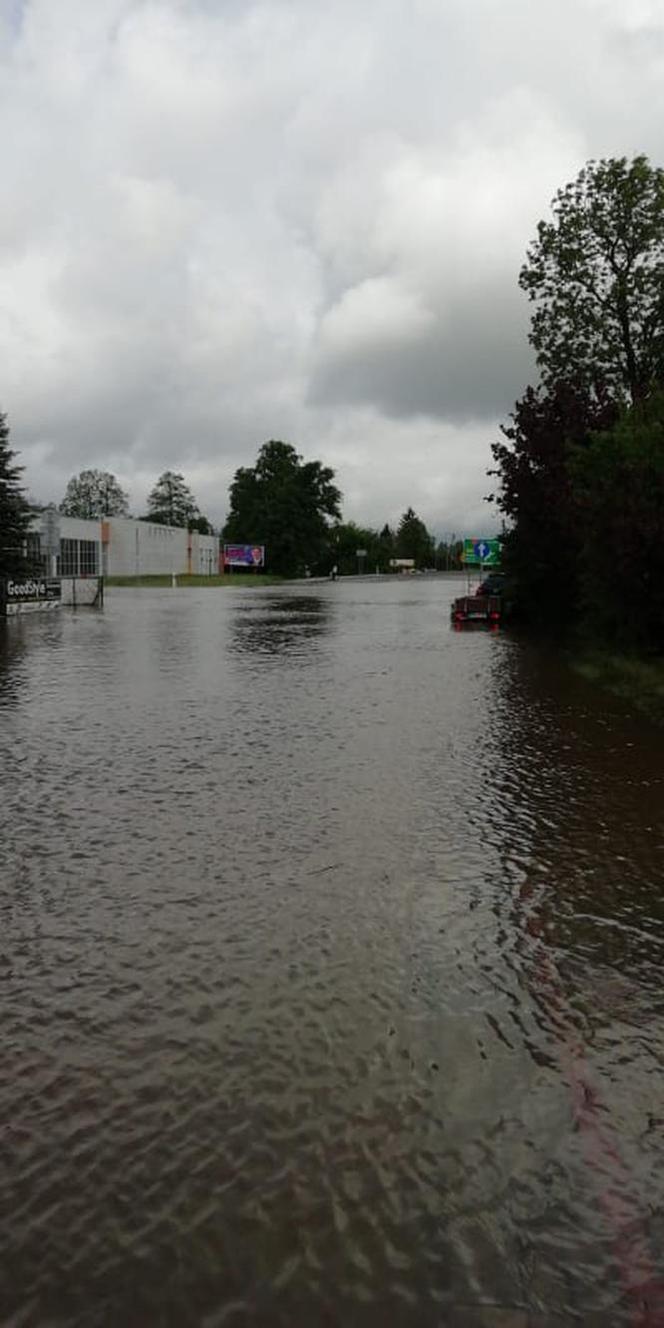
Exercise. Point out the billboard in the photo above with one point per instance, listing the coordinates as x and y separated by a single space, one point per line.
481 552
32 588
244 555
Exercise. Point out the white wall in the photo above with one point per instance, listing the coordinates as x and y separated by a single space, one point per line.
80 593
139 548
204 554
73 528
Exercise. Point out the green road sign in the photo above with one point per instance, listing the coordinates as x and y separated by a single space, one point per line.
481 552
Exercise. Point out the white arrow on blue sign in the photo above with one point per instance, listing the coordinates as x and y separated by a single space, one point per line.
482 550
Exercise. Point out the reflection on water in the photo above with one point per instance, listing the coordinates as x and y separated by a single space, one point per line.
12 645
290 625
331 942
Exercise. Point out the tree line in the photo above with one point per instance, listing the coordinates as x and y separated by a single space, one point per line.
291 506
91 495
580 465
96 493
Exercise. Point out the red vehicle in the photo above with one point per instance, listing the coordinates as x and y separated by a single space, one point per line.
477 608
483 605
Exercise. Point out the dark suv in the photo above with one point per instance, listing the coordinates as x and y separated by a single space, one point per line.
493 584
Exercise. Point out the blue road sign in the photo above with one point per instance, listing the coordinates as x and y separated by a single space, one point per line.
481 552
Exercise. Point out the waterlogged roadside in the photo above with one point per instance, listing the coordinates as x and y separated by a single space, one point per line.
331 945
236 580
640 682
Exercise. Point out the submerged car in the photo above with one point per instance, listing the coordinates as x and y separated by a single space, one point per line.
493 584
483 605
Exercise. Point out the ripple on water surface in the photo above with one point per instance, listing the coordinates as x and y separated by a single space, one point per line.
331 964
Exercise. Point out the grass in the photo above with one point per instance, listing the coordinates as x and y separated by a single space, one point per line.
243 579
637 680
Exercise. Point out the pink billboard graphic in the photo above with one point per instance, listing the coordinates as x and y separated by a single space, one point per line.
244 555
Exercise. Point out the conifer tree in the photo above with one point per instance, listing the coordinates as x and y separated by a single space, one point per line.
14 510
171 502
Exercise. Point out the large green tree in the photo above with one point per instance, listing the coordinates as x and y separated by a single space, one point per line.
619 485
172 503
93 494
543 540
414 541
347 538
596 276
286 504
14 510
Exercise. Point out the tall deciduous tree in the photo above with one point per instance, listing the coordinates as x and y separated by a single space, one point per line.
171 503
596 276
619 483
94 494
414 541
14 510
202 525
347 538
536 494
287 505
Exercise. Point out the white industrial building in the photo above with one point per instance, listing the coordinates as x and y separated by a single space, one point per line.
119 546
139 548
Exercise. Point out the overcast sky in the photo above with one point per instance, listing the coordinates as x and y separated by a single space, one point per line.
224 221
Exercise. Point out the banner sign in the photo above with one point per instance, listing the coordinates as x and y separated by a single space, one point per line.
244 555
481 552
32 588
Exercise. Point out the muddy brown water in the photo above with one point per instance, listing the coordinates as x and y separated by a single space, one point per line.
331 949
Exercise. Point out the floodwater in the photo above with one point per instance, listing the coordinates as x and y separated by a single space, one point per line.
331 948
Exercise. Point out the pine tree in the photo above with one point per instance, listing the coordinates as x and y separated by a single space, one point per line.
414 541
14 510
171 502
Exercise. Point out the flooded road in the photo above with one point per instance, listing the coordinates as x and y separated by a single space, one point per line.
331 950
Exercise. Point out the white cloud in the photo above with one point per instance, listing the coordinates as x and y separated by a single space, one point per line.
224 222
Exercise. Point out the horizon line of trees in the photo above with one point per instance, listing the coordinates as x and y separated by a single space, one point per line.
93 494
580 466
293 507
290 506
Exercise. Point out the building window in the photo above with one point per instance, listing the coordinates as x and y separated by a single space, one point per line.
78 558
68 557
33 552
89 562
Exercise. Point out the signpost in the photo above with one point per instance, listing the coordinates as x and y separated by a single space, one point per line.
50 538
481 552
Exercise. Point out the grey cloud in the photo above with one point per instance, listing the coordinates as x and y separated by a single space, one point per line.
225 222
462 368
